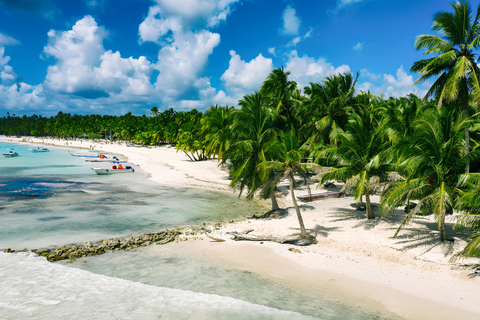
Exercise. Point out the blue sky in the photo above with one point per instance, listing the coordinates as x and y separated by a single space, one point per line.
116 56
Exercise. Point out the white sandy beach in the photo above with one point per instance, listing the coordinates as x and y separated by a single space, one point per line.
355 259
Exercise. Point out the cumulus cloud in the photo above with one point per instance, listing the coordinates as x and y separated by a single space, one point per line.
204 13
358 47
181 29
85 69
291 23
7 75
245 77
182 63
306 69
364 73
21 96
392 86
154 28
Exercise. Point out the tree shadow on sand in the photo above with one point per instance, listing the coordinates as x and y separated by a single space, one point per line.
318 230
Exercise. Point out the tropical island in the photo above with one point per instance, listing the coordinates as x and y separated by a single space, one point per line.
406 225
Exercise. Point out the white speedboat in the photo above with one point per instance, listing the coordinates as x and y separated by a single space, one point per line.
94 155
114 169
10 154
40 150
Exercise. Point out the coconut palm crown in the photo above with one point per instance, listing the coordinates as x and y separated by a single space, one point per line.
455 64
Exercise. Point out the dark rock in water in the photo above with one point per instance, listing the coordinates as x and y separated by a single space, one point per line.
51 218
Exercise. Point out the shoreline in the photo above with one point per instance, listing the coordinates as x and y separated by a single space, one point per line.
355 259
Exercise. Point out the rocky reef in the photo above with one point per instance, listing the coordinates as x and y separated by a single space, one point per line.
88 248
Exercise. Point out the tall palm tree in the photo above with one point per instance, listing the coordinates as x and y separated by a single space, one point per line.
363 163
330 103
455 65
287 154
154 111
435 161
279 89
252 125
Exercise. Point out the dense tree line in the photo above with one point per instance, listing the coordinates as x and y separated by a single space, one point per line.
422 154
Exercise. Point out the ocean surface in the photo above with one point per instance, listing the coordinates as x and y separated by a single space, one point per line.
51 199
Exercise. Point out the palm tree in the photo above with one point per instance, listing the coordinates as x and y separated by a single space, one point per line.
216 124
154 111
252 125
361 155
279 89
435 161
455 64
288 155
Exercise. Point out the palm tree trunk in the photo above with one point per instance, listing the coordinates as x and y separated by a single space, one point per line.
370 214
467 140
274 201
441 225
303 231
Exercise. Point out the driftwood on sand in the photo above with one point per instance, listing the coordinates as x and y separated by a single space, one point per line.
214 238
250 237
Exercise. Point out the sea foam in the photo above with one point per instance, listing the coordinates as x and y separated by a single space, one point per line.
33 288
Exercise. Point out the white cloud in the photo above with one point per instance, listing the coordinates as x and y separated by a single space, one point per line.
306 69
296 40
392 86
242 77
21 96
7 40
182 62
291 23
206 13
153 28
358 47
364 73
7 75
84 68
272 51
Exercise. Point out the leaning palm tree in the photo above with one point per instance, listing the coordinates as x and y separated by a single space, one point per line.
455 66
435 161
287 154
363 163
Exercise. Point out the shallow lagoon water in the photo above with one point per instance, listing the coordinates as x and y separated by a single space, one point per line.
51 199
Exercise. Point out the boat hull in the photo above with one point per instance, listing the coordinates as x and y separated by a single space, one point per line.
10 155
102 171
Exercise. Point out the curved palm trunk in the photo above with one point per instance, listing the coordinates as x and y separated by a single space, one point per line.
303 232
370 214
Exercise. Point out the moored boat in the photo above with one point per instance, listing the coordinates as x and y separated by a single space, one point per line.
115 169
40 150
93 155
10 154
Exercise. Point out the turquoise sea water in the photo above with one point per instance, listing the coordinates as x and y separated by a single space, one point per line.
51 199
